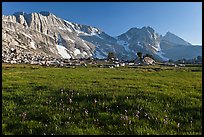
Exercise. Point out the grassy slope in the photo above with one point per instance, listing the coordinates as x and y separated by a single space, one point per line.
39 100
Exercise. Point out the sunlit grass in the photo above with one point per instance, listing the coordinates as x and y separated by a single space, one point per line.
140 101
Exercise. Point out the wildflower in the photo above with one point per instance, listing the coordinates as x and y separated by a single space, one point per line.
165 110
140 108
191 121
86 112
23 115
121 117
178 125
126 118
148 117
137 113
166 117
95 101
70 100
109 109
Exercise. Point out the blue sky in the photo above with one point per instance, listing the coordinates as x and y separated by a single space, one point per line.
181 18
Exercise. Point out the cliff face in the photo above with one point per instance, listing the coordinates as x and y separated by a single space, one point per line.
39 33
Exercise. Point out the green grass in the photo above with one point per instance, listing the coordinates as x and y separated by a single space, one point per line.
87 100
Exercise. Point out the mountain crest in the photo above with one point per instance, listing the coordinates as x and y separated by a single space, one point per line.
170 37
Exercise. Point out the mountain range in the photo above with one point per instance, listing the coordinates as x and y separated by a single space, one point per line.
46 34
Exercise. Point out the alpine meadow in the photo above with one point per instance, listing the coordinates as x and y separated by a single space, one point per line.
88 100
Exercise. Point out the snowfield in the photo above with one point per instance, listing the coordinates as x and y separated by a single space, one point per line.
63 52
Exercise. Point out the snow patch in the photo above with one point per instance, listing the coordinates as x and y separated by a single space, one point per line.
84 53
73 27
87 47
32 44
80 32
76 52
156 47
97 36
95 29
63 51
65 29
94 32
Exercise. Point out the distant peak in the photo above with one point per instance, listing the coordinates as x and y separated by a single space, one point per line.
170 34
175 39
45 13
19 13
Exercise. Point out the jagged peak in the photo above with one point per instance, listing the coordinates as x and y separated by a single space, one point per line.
143 28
